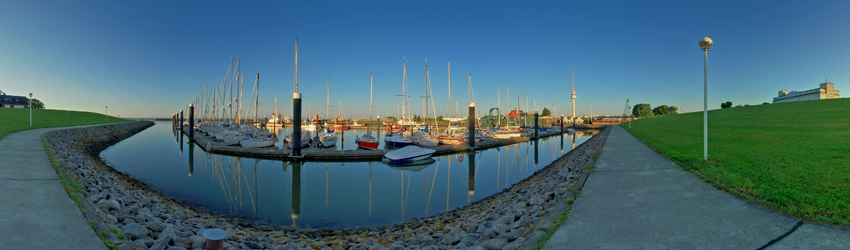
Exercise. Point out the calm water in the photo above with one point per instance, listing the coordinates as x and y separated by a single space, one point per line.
327 194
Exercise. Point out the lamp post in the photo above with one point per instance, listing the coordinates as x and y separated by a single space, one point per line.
705 44
30 110
106 114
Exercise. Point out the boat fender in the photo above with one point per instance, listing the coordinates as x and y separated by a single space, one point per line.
460 159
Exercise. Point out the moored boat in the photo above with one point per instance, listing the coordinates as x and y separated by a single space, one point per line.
407 154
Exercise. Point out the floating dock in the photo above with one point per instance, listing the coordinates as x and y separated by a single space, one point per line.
314 153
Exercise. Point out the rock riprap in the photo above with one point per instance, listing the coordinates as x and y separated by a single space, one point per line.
152 220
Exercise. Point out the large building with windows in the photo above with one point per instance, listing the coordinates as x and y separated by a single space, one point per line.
826 91
10 101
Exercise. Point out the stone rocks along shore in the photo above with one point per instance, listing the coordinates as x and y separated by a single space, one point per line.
152 220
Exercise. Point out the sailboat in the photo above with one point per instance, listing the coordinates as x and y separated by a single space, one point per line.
253 138
447 137
423 137
396 139
329 138
368 141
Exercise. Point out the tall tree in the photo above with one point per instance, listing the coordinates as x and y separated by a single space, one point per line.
546 112
642 110
37 104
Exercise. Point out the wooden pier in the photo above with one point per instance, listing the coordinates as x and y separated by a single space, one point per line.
314 153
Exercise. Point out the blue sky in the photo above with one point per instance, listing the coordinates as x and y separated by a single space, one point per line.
150 58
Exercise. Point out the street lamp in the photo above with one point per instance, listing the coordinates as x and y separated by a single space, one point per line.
30 100
705 44
107 114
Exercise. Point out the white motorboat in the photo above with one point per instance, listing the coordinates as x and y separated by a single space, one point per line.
305 139
407 154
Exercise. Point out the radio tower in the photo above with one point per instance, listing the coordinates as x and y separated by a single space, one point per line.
573 96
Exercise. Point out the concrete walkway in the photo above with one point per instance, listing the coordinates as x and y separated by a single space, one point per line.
637 199
35 211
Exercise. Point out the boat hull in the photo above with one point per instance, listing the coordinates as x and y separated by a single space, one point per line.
256 143
407 154
371 145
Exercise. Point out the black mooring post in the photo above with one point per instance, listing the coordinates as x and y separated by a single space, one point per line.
535 126
181 121
191 122
471 121
295 144
562 124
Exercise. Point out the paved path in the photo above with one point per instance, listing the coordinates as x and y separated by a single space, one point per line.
637 199
35 211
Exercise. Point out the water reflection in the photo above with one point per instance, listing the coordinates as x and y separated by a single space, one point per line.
327 194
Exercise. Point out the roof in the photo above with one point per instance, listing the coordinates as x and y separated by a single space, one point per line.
12 99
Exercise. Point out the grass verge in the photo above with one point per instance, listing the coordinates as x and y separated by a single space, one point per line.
790 157
19 119
556 223
74 190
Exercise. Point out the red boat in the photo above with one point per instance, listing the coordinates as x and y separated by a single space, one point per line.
339 127
367 141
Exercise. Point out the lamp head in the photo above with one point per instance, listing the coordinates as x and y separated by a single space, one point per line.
705 43
30 95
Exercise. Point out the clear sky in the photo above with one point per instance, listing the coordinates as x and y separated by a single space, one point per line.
151 58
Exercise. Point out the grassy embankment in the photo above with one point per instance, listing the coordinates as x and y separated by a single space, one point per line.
12 120
791 157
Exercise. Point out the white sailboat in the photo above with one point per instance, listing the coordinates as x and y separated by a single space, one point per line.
396 139
424 138
447 137
329 138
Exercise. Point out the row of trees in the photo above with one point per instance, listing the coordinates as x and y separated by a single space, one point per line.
36 104
646 110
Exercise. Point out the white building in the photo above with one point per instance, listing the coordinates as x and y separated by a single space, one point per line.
826 91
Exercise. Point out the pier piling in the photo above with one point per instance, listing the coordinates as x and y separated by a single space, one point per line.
191 122
562 123
295 143
535 126
181 121
471 122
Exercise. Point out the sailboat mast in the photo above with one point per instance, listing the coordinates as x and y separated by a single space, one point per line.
426 92
328 105
368 128
296 65
499 98
257 102
403 90
450 94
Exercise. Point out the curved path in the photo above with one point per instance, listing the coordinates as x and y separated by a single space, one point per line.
637 199
35 211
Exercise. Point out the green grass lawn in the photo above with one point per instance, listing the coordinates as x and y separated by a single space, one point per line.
791 157
12 120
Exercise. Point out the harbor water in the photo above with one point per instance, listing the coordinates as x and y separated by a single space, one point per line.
327 194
